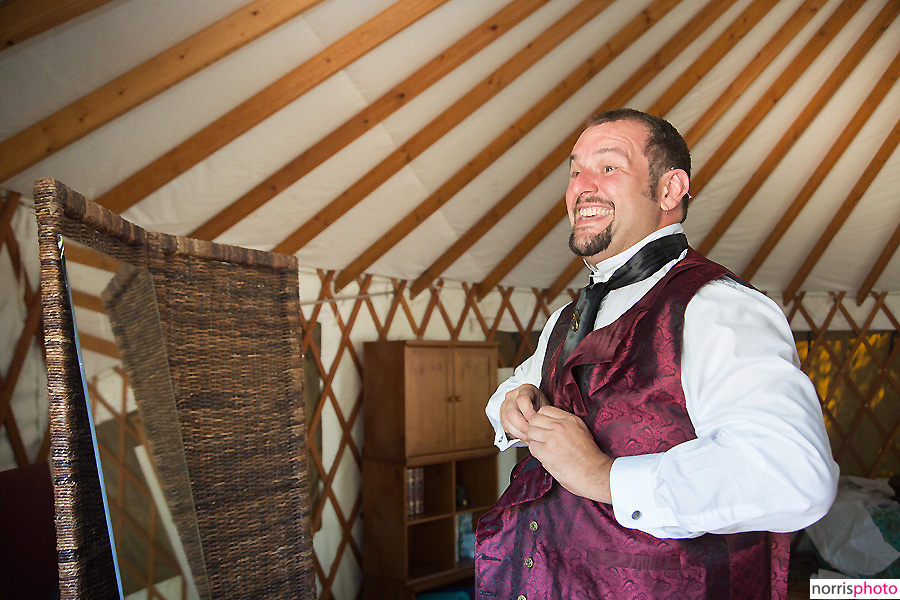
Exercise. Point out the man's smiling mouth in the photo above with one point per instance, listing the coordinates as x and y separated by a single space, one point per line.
588 212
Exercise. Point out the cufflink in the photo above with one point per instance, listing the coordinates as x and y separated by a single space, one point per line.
636 515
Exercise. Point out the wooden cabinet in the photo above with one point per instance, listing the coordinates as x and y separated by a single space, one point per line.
424 414
425 398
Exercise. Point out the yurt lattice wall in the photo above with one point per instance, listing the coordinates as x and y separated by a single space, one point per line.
849 350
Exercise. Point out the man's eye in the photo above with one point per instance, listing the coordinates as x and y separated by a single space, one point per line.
608 169
574 174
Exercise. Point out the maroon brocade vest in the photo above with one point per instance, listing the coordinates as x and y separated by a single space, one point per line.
624 380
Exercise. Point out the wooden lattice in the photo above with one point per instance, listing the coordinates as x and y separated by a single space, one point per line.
27 334
856 375
147 561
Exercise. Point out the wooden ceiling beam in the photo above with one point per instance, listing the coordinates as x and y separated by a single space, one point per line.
769 51
488 88
91 258
740 27
812 109
106 103
23 19
583 74
88 301
404 92
643 75
857 120
20 353
491 217
98 345
264 104
515 132
541 229
880 265
776 91
6 214
853 198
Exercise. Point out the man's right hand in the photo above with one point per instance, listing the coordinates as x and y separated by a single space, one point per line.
517 408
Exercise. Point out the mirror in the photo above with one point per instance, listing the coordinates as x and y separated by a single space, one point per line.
136 430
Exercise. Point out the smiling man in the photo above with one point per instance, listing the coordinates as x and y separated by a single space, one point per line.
673 440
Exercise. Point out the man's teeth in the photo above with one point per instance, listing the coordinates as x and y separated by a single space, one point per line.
593 211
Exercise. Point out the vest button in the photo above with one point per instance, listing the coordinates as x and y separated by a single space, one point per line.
521 597
533 525
529 563
636 515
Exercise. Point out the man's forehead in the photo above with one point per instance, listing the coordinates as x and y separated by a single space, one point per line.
623 138
600 150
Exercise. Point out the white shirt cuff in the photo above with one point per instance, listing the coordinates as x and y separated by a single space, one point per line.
631 487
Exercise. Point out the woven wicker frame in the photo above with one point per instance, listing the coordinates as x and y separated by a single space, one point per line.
229 319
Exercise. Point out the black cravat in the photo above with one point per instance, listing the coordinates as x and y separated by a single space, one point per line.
642 265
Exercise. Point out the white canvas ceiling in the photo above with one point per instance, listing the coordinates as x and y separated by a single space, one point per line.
506 99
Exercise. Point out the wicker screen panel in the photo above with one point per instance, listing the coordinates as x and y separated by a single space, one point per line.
229 319
232 336
130 303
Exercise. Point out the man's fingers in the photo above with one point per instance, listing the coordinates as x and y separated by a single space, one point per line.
526 405
553 412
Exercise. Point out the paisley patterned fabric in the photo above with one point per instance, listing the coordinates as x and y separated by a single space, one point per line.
624 380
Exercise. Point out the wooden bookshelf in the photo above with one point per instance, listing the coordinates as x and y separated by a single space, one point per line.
424 410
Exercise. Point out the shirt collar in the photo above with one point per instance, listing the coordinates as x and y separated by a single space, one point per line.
605 268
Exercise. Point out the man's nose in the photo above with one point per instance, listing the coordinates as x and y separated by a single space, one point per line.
583 183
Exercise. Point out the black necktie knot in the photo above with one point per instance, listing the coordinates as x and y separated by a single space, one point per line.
642 265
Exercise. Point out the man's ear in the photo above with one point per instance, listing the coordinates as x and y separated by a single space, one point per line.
673 185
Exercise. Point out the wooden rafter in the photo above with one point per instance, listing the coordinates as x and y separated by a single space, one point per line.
23 19
84 255
264 104
541 229
880 265
145 81
88 301
801 62
609 51
859 118
736 31
853 198
812 109
550 102
442 124
369 117
98 345
767 53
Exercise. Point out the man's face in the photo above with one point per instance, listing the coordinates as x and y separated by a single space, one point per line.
608 199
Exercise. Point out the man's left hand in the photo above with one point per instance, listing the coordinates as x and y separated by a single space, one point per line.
565 447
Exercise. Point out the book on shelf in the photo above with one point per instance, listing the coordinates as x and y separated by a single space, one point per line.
415 482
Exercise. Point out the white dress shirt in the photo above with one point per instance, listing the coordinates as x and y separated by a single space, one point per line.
761 460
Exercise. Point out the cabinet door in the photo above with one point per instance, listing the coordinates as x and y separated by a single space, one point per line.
474 381
429 411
